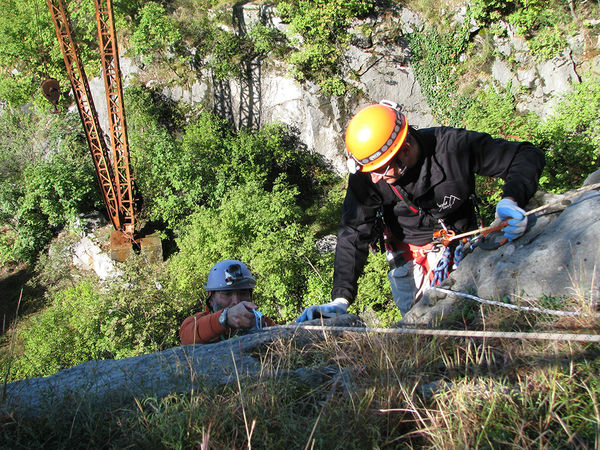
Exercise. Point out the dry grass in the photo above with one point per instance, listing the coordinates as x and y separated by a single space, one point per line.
369 391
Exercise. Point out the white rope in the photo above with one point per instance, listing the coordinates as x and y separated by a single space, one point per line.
472 333
511 306
454 333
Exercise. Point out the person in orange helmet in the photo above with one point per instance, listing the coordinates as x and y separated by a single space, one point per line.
229 308
410 183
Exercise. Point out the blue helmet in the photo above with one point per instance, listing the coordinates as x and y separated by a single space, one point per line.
228 275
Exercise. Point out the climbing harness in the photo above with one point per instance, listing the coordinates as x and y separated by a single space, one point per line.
442 270
455 251
451 256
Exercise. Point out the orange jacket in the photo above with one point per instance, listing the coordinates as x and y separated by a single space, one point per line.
204 328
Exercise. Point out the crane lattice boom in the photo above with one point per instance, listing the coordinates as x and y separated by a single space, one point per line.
114 175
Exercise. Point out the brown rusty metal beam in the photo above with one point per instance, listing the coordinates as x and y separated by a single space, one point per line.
109 53
85 105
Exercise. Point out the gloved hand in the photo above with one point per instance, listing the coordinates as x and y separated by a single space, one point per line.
241 315
517 223
337 306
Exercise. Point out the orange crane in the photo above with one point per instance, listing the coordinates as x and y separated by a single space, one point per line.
113 170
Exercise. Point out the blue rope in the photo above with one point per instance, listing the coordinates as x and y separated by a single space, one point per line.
442 270
450 261
459 254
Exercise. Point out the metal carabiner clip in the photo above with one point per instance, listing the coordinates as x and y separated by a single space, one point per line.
258 323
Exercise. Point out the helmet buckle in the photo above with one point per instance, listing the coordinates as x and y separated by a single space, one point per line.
352 165
391 104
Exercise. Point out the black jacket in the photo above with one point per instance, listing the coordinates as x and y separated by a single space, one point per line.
439 187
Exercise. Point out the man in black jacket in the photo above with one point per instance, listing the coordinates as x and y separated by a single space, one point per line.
418 182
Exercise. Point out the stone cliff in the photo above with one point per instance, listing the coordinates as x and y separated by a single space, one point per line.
378 66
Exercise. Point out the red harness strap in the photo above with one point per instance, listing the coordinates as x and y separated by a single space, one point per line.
418 254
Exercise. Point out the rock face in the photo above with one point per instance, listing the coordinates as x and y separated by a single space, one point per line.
558 256
89 256
544 80
377 65
114 383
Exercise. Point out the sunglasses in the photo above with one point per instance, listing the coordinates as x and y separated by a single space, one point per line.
382 171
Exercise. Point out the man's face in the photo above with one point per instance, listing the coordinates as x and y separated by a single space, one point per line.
406 158
222 299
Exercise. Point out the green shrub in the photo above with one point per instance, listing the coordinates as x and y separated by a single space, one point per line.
435 59
487 12
542 23
267 40
131 315
64 334
155 33
322 27
228 52
143 316
494 111
48 179
260 228
571 138
548 43
177 176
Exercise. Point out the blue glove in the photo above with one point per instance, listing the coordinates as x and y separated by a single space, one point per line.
338 306
508 209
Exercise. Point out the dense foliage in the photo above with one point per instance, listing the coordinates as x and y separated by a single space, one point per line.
257 226
571 138
322 27
176 175
436 62
86 320
46 180
546 24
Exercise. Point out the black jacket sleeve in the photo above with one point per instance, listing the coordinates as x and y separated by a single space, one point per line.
519 164
524 173
355 233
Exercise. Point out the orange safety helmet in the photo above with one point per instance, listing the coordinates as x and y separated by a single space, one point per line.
374 136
